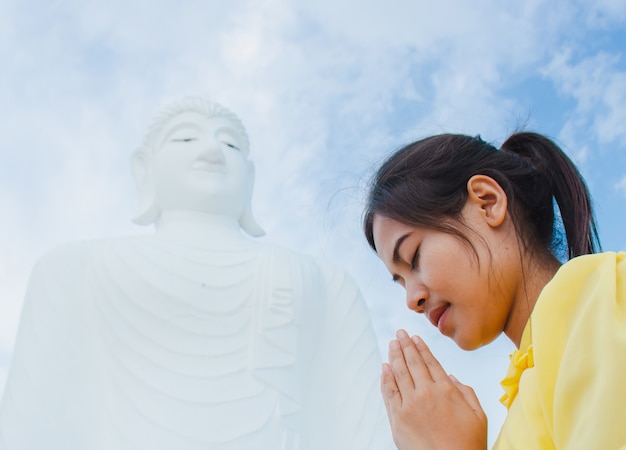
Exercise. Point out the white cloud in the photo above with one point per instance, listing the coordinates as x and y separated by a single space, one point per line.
598 85
621 186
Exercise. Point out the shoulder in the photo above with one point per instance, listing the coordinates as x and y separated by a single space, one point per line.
595 263
579 310
66 251
63 257
583 278
75 255
580 313
578 345
587 264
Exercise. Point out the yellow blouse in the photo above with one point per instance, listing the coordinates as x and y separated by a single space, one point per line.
566 385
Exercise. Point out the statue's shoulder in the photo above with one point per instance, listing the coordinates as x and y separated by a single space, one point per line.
77 252
64 253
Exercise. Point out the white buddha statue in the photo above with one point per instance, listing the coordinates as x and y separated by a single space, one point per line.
196 336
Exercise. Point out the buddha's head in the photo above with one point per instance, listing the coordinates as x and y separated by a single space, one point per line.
195 158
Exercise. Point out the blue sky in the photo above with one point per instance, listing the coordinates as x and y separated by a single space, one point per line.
325 90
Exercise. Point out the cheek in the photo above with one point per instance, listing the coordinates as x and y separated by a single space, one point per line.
167 162
235 160
163 171
237 172
168 172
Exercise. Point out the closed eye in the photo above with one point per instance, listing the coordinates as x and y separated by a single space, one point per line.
187 139
415 259
232 146
398 279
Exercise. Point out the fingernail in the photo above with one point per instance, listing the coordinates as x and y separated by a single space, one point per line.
401 334
417 340
394 345
453 378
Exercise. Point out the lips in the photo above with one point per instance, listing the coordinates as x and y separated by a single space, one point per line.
435 315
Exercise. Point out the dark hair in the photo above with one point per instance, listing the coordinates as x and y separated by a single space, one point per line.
425 183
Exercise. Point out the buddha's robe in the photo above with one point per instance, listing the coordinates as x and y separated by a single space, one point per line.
144 343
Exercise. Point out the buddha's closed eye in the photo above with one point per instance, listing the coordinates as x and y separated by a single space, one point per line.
232 146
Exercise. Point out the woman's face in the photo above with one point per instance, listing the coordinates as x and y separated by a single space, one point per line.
467 293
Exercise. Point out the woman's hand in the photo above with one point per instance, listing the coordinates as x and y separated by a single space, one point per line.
427 408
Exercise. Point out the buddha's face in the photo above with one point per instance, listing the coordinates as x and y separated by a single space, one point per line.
199 166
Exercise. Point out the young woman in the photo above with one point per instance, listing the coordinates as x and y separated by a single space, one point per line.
470 232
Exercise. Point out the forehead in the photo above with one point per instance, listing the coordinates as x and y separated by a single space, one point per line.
386 233
198 120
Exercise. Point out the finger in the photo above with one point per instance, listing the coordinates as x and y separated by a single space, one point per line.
434 367
403 377
414 361
389 389
469 395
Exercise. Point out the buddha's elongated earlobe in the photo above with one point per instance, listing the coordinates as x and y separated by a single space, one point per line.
246 220
141 167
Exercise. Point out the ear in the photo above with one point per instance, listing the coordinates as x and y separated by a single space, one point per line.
139 167
488 195
142 174
251 175
247 220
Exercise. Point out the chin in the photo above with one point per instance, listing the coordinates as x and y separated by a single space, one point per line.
467 344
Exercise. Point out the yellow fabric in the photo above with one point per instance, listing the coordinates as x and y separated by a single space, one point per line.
566 386
521 360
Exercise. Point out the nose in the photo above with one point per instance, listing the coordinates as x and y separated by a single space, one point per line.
416 296
212 152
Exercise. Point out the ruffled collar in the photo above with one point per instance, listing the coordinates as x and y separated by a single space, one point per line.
521 360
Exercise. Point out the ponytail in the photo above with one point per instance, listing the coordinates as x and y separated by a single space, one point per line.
425 185
566 186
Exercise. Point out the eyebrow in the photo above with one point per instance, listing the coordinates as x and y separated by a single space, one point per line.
236 135
227 129
177 127
401 239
